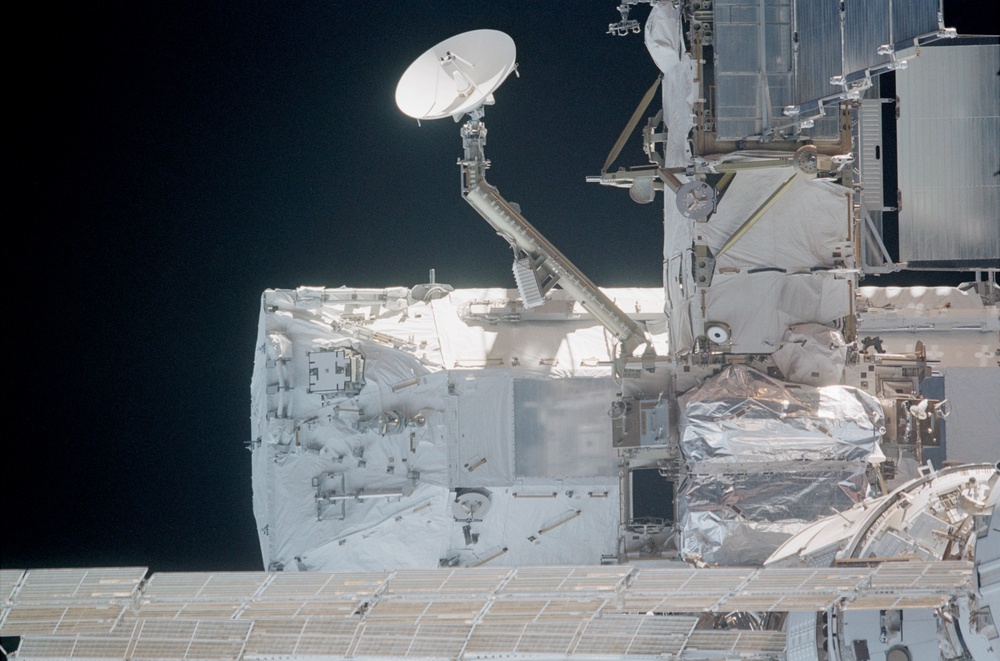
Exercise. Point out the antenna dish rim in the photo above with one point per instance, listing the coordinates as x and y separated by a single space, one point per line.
457 75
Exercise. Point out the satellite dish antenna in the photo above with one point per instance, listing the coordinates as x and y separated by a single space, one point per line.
457 76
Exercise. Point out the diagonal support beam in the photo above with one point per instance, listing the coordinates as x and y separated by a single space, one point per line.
632 123
771 200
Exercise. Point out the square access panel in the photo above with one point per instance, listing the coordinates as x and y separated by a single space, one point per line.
339 371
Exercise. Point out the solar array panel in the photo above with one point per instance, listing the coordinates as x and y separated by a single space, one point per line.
66 601
794 50
323 586
9 579
224 586
600 611
30 619
447 581
80 585
302 637
567 579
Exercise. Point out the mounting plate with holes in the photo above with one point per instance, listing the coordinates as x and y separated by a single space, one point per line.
695 200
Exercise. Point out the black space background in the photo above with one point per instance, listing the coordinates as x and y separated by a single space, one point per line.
170 161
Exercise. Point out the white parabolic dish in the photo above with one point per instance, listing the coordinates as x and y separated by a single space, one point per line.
456 76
